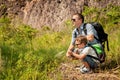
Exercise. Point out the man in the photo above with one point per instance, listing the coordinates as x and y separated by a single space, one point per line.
78 23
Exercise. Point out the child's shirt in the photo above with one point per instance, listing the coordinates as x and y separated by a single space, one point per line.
89 51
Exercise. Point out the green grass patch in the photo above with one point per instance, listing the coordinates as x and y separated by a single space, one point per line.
29 54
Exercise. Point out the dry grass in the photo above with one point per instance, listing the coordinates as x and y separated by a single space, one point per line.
67 71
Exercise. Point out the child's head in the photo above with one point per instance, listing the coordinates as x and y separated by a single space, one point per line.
81 41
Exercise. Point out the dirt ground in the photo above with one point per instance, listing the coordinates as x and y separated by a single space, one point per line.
67 71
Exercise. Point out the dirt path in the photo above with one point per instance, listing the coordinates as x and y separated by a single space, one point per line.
67 71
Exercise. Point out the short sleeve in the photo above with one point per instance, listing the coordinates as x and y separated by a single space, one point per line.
86 50
90 29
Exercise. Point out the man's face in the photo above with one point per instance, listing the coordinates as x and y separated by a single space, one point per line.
76 21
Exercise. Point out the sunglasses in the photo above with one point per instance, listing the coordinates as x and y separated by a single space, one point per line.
73 20
77 44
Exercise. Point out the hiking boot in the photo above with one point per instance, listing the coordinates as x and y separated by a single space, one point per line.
85 70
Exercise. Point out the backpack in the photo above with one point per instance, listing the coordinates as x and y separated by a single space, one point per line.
103 37
99 52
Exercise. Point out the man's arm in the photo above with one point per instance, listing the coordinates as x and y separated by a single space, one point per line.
71 47
70 50
90 32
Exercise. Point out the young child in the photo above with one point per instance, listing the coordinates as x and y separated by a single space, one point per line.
81 53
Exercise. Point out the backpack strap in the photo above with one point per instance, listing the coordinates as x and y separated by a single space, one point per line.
97 58
94 58
85 31
75 34
107 45
84 28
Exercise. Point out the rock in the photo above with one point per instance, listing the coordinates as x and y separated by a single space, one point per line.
51 13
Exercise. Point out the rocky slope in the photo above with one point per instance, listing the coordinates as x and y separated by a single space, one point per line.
51 13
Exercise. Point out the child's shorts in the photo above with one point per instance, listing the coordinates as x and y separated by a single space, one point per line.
91 62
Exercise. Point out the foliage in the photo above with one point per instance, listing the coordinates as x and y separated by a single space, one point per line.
26 54
29 54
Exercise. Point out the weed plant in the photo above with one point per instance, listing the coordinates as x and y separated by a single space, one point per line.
25 54
30 54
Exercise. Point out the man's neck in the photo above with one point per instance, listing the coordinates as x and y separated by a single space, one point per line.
78 28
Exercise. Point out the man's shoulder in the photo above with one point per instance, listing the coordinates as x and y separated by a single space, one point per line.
88 25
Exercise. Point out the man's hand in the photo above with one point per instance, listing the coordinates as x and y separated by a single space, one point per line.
69 53
90 37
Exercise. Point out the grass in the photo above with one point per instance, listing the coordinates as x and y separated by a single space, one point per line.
28 54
